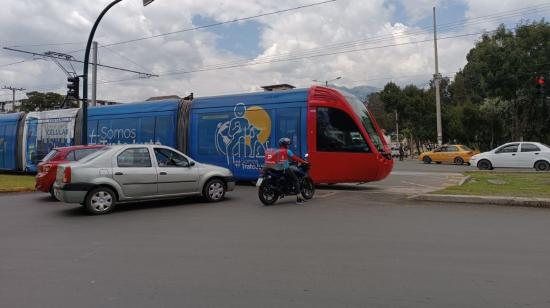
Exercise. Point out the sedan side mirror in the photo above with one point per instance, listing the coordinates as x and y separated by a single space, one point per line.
191 163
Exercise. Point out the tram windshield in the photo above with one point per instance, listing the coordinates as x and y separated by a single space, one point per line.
363 113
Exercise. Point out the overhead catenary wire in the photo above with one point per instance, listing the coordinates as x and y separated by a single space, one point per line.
214 24
13 63
418 31
181 30
79 61
299 58
253 63
336 46
519 10
324 54
323 47
124 57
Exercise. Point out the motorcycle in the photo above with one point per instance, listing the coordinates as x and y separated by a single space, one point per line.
273 185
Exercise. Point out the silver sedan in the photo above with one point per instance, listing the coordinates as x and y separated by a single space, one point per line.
125 173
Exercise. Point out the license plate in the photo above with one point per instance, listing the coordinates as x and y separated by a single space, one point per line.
259 182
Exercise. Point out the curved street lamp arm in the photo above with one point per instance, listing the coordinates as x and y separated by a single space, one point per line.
84 139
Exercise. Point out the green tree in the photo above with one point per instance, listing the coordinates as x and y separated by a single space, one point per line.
416 110
492 100
385 119
502 66
37 101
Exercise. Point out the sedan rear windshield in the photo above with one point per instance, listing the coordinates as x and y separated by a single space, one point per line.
94 154
49 156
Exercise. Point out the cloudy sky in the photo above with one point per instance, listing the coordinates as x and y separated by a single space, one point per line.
366 42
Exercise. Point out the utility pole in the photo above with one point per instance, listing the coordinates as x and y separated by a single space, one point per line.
397 126
13 95
437 80
94 73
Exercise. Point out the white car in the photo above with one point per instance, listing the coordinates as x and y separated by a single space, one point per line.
515 155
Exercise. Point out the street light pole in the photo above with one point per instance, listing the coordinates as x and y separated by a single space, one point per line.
327 81
85 70
84 138
94 73
437 80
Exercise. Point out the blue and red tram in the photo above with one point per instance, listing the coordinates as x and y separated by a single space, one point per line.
336 130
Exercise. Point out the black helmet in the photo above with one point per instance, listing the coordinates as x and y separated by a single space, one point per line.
284 142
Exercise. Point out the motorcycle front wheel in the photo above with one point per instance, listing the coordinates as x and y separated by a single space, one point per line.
267 193
308 188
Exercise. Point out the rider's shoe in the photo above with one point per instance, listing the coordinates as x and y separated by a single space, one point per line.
300 201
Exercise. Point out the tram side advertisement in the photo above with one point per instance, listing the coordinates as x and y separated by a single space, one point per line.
45 131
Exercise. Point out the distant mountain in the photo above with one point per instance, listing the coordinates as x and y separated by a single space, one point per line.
360 91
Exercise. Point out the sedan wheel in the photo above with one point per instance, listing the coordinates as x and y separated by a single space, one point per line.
100 201
459 161
52 193
427 159
542 166
214 190
484 165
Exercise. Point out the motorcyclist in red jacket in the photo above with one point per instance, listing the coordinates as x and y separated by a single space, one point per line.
286 155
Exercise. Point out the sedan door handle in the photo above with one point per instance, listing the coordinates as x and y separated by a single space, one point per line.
513 154
119 173
536 153
163 173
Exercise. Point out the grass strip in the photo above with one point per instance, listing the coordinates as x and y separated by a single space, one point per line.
16 183
512 184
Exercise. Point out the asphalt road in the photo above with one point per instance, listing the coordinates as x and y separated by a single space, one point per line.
410 177
415 165
349 247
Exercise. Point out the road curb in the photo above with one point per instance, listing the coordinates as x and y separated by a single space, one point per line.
511 201
16 190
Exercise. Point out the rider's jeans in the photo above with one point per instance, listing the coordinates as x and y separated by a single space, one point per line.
290 174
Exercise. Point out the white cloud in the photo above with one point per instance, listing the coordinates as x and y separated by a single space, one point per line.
54 21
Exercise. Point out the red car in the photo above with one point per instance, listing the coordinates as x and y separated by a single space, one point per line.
47 168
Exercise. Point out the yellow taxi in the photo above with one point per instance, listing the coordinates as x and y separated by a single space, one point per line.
449 153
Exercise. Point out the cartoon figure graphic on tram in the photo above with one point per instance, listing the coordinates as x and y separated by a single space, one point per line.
245 136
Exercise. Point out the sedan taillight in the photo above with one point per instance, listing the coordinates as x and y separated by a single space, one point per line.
67 175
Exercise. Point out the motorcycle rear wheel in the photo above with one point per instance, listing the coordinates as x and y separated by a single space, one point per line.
267 194
308 188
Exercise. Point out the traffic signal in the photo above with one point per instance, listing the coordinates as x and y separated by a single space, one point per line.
540 84
73 87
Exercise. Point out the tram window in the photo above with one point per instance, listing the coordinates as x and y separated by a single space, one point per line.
337 132
147 132
213 133
288 125
164 133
